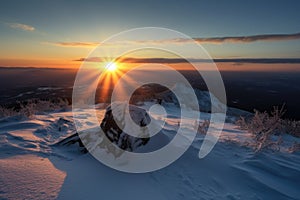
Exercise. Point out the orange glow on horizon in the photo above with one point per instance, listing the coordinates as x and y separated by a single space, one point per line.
123 66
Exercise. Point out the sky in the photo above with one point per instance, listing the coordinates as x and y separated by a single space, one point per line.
59 33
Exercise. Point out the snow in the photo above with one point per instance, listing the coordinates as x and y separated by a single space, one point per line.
33 167
29 177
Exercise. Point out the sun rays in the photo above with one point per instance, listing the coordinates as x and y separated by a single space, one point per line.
113 72
110 76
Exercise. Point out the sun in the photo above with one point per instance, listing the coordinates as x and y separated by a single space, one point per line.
112 66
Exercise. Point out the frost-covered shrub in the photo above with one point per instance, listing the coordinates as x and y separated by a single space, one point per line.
34 106
264 126
6 112
295 147
291 127
203 127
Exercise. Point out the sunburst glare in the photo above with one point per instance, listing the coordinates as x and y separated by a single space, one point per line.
111 66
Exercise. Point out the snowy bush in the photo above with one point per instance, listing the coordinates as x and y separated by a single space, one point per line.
34 106
267 128
291 127
295 147
6 112
203 127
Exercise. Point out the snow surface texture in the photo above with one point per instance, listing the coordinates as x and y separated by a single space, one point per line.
34 166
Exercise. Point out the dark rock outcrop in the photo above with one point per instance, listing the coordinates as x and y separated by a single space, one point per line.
116 134
113 133
73 140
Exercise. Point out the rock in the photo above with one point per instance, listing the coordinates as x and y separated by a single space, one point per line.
113 133
72 140
116 134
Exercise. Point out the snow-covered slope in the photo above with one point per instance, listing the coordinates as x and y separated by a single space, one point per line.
35 165
206 100
202 96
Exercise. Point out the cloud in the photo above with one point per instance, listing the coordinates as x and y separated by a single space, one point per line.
74 44
91 59
139 60
248 39
210 40
229 39
181 60
88 44
21 26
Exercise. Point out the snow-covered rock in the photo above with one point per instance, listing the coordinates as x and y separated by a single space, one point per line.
116 135
73 140
113 128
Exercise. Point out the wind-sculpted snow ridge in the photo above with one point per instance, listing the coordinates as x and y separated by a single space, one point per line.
34 136
25 156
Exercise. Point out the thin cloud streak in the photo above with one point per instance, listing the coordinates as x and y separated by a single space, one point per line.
24 27
229 39
248 39
181 60
74 44
211 40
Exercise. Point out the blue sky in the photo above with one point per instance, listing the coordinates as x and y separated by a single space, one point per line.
94 21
